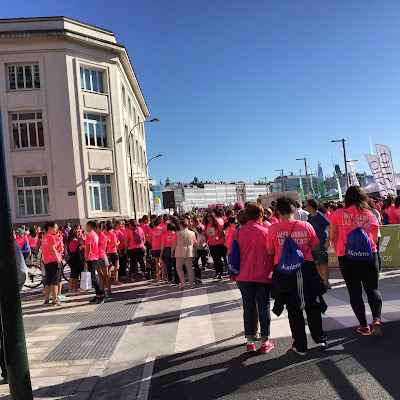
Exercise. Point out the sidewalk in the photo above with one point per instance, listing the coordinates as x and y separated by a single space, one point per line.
152 340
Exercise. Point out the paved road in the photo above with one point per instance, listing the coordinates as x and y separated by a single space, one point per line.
190 346
155 342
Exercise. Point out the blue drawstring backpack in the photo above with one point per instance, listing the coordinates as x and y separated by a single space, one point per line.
234 258
292 258
358 246
25 248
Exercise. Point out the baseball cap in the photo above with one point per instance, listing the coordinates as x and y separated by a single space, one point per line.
237 206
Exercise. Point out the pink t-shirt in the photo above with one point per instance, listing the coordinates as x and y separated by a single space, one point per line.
73 245
255 263
230 239
156 235
32 241
93 240
363 219
134 237
121 237
20 240
266 224
228 236
168 238
112 237
146 229
211 233
303 235
102 247
60 243
393 214
274 220
49 240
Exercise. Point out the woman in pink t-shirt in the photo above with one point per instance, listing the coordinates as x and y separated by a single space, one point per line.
91 257
112 251
134 247
52 262
254 279
356 273
103 264
393 210
214 233
302 290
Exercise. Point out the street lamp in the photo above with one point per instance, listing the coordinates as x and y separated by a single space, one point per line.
345 159
305 166
147 170
131 158
283 184
143 122
350 161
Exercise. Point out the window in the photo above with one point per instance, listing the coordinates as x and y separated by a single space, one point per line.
27 130
33 196
95 130
23 77
137 152
123 96
129 106
100 192
92 80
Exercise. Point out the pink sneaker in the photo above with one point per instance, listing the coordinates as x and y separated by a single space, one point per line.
267 347
251 347
376 327
364 331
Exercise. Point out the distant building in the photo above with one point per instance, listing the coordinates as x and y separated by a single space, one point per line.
72 118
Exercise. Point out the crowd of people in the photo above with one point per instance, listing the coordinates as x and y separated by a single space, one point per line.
171 249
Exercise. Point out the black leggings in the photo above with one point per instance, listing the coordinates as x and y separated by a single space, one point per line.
217 253
356 275
91 266
201 254
137 255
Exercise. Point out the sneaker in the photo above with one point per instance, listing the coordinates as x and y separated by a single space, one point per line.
133 280
60 296
251 347
100 300
59 303
94 300
328 286
219 277
170 283
192 286
108 294
181 286
322 345
299 352
267 347
114 283
51 297
5 381
376 327
144 278
46 302
365 331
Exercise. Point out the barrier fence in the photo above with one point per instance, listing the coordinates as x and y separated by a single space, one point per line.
389 248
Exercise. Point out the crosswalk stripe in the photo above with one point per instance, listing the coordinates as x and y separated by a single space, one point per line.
195 328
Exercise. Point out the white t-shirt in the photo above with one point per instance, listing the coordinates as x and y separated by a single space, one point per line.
300 215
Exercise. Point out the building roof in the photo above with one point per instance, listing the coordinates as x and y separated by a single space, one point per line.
23 28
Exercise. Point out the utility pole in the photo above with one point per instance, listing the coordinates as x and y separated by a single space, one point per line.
345 159
283 183
16 356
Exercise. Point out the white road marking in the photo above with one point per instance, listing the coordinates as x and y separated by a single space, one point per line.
147 374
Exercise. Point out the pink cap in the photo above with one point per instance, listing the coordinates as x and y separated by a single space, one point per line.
237 206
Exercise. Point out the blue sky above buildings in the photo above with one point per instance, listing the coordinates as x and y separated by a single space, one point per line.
242 88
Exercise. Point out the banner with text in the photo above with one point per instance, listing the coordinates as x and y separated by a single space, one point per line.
353 175
385 159
376 171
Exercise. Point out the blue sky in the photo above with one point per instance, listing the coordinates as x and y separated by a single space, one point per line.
242 88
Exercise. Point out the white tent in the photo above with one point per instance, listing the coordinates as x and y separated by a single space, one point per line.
372 187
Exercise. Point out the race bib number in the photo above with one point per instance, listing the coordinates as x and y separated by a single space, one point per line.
210 231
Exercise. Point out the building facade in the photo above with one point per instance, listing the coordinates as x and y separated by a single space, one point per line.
73 117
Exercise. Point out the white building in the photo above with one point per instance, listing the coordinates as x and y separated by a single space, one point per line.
69 99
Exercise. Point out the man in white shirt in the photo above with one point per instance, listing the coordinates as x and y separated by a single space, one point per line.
299 213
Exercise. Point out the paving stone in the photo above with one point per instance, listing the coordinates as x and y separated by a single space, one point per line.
71 370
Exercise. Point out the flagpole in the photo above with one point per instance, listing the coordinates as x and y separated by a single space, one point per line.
370 142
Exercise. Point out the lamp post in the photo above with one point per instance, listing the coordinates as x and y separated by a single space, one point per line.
131 157
147 177
283 184
345 159
305 166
